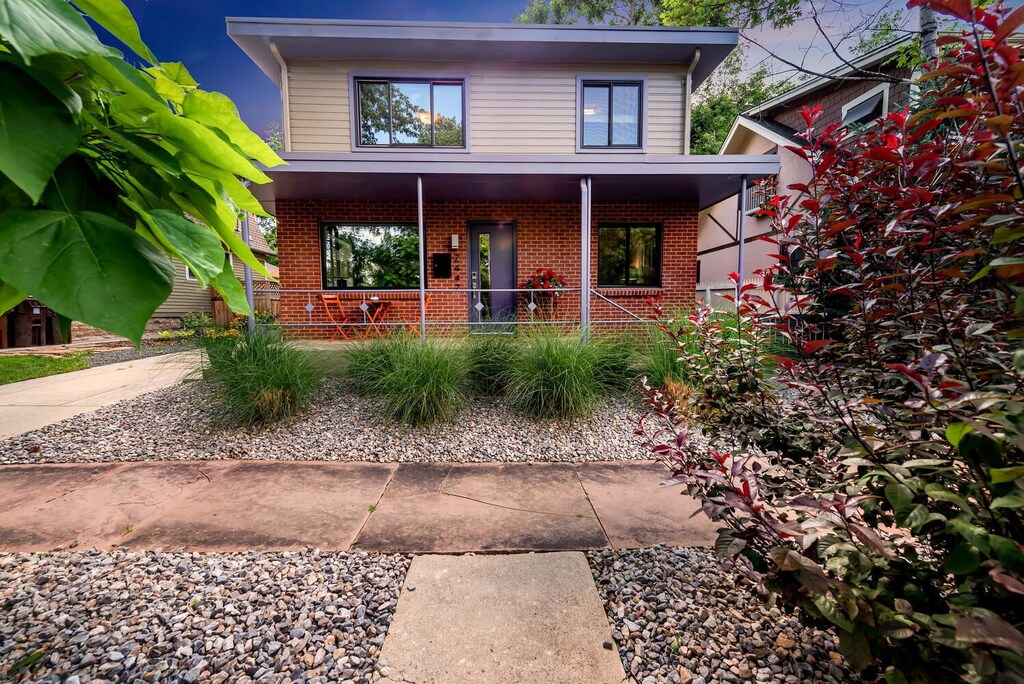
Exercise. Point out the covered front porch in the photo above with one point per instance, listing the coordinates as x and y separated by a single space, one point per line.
372 244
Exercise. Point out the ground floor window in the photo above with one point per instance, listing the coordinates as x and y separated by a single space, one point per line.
629 255
370 256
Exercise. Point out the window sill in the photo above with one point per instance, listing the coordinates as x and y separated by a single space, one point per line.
411 148
611 150
614 292
366 293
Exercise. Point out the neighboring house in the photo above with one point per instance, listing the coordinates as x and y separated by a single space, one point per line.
510 148
768 129
189 297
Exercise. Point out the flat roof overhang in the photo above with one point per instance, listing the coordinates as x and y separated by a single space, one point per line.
334 39
703 179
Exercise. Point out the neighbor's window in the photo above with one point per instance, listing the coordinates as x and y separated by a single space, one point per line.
629 255
868 108
370 256
610 113
410 112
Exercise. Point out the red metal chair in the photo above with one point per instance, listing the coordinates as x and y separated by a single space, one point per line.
342 319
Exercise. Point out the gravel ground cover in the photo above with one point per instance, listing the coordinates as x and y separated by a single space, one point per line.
171 424
149 617
678 618
103 358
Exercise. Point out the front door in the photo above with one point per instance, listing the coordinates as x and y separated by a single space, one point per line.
492 266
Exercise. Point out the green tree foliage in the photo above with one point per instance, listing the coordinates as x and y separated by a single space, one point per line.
101 161
742 13
721 99
611 12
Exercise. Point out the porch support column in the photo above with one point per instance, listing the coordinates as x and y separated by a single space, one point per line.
250 324
585 198
423 258
741 215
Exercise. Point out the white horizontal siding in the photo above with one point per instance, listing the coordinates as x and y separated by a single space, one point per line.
514 108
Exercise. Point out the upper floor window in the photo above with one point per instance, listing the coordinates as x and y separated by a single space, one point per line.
410 112
610 114
868 108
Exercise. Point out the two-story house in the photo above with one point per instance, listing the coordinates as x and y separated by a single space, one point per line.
856 94
432 169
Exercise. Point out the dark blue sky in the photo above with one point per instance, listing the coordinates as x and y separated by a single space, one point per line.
193 32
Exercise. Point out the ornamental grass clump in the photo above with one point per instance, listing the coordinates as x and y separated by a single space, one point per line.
490 359
257 379
554 376
413 382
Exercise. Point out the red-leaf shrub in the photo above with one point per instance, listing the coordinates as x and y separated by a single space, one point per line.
902 293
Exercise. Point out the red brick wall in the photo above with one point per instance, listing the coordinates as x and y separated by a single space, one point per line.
547 235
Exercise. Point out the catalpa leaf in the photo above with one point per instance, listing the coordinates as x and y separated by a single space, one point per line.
195 245
37 132
117 19
218 111
87 266
227 284
43 27
10 297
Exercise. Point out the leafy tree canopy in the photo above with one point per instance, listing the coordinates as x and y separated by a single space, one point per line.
100 162
741 13
612 12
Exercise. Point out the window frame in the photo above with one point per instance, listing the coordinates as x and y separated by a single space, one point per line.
611 80
441 77
659 258
324 224
883 89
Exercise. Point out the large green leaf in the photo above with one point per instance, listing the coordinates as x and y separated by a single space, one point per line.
10 297
87 266
177 72
197 246
223 183
41 27
227 284
37 132
218 111
196 139
116 18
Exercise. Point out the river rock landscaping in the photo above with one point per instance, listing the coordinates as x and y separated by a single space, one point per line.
240 617
677 617
174 424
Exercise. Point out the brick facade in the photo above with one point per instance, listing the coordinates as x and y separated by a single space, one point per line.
547 236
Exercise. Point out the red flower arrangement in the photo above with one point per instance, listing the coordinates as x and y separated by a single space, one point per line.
545 279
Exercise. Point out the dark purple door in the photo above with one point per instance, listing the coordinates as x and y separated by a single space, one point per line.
492 266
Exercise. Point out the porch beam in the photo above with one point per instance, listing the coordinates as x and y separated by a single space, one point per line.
585 201
423 258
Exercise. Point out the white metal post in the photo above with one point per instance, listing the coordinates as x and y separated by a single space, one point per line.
423 258
250 325
741 215
585 196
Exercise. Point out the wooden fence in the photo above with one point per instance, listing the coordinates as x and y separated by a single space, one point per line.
266 296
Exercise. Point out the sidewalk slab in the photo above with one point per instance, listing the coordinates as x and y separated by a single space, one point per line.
452 508
101 510
23 485
519 619
270 505
636 511
31 404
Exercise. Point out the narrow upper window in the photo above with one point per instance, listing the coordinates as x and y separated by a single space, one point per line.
868 108
410 112
610 113
629 255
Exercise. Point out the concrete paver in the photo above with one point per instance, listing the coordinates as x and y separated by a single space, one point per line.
636 511
523 619
32 404
446 508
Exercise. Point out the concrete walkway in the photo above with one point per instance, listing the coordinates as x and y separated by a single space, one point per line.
32 404
409 508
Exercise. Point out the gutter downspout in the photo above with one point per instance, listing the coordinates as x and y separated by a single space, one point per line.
286 122
585 258
687 99
423 259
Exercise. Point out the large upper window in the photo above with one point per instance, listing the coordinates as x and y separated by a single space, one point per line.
410 112
610 113
370 256
629 255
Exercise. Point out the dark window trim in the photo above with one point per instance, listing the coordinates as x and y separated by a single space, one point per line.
322 226
610 84
659 235
389 80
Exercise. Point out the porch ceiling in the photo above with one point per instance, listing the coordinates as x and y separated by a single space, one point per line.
699 178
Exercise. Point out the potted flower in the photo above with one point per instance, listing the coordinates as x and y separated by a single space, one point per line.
544 289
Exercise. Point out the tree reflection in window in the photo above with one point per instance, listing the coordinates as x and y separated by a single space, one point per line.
629 255
411 113
370 256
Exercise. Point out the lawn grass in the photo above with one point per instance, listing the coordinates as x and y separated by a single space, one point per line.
15 368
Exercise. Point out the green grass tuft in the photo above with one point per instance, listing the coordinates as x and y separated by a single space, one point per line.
489 360
259 379
555 377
